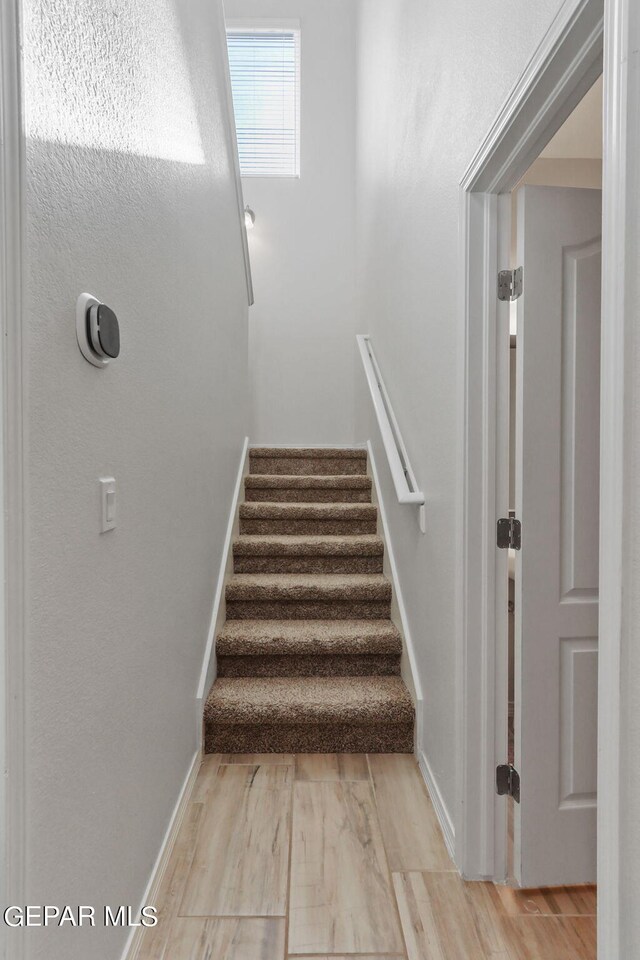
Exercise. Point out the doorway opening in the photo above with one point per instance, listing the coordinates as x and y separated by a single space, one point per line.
554 457
562 70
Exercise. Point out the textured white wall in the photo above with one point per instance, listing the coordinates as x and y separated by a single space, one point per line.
431 78
302 347
131 197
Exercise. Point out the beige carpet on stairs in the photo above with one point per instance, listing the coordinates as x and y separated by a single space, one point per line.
308 659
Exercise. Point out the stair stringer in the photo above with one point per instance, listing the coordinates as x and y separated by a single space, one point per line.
219 608
408 666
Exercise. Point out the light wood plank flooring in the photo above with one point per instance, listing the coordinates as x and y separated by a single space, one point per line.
334 857
341 898
240 863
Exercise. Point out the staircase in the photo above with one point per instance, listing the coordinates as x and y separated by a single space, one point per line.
308 659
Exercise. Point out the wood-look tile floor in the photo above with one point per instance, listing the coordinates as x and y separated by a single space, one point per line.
333 857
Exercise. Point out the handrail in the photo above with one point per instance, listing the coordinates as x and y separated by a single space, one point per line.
404 479
235 160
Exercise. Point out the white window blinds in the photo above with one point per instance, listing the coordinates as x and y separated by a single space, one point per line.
265 79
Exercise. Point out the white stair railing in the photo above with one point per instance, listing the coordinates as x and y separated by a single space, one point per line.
235 159
404 480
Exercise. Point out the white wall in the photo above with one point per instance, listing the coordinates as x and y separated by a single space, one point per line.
581 133
130 196
564 172
431 78
302 347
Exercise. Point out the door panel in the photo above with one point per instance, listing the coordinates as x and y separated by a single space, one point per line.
557 483
578 721
580 419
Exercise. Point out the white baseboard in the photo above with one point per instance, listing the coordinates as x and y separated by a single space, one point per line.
218 611
399 611
444 819
150 897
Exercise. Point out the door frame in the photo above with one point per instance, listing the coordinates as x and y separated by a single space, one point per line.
566 63
12 473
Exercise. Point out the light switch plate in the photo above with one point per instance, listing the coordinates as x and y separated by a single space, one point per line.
107 503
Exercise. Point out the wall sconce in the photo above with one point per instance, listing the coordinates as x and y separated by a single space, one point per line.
249 217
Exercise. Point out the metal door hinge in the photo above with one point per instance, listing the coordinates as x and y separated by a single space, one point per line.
509 533
508 781
510 284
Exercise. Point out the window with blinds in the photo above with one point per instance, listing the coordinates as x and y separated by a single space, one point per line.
265 79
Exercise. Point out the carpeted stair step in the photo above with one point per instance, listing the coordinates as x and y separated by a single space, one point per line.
308 519
309 715
308 659
289 648
308 489
279 553
308 596
299 460
320 637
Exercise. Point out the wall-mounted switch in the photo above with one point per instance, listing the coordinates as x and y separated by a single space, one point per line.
107 503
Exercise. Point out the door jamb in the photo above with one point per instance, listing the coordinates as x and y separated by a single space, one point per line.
619 468
565 65
12 647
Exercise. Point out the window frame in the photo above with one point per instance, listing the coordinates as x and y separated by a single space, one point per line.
276 25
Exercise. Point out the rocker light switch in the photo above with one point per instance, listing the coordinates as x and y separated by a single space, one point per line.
107 503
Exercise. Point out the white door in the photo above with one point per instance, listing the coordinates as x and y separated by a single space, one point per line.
557 483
